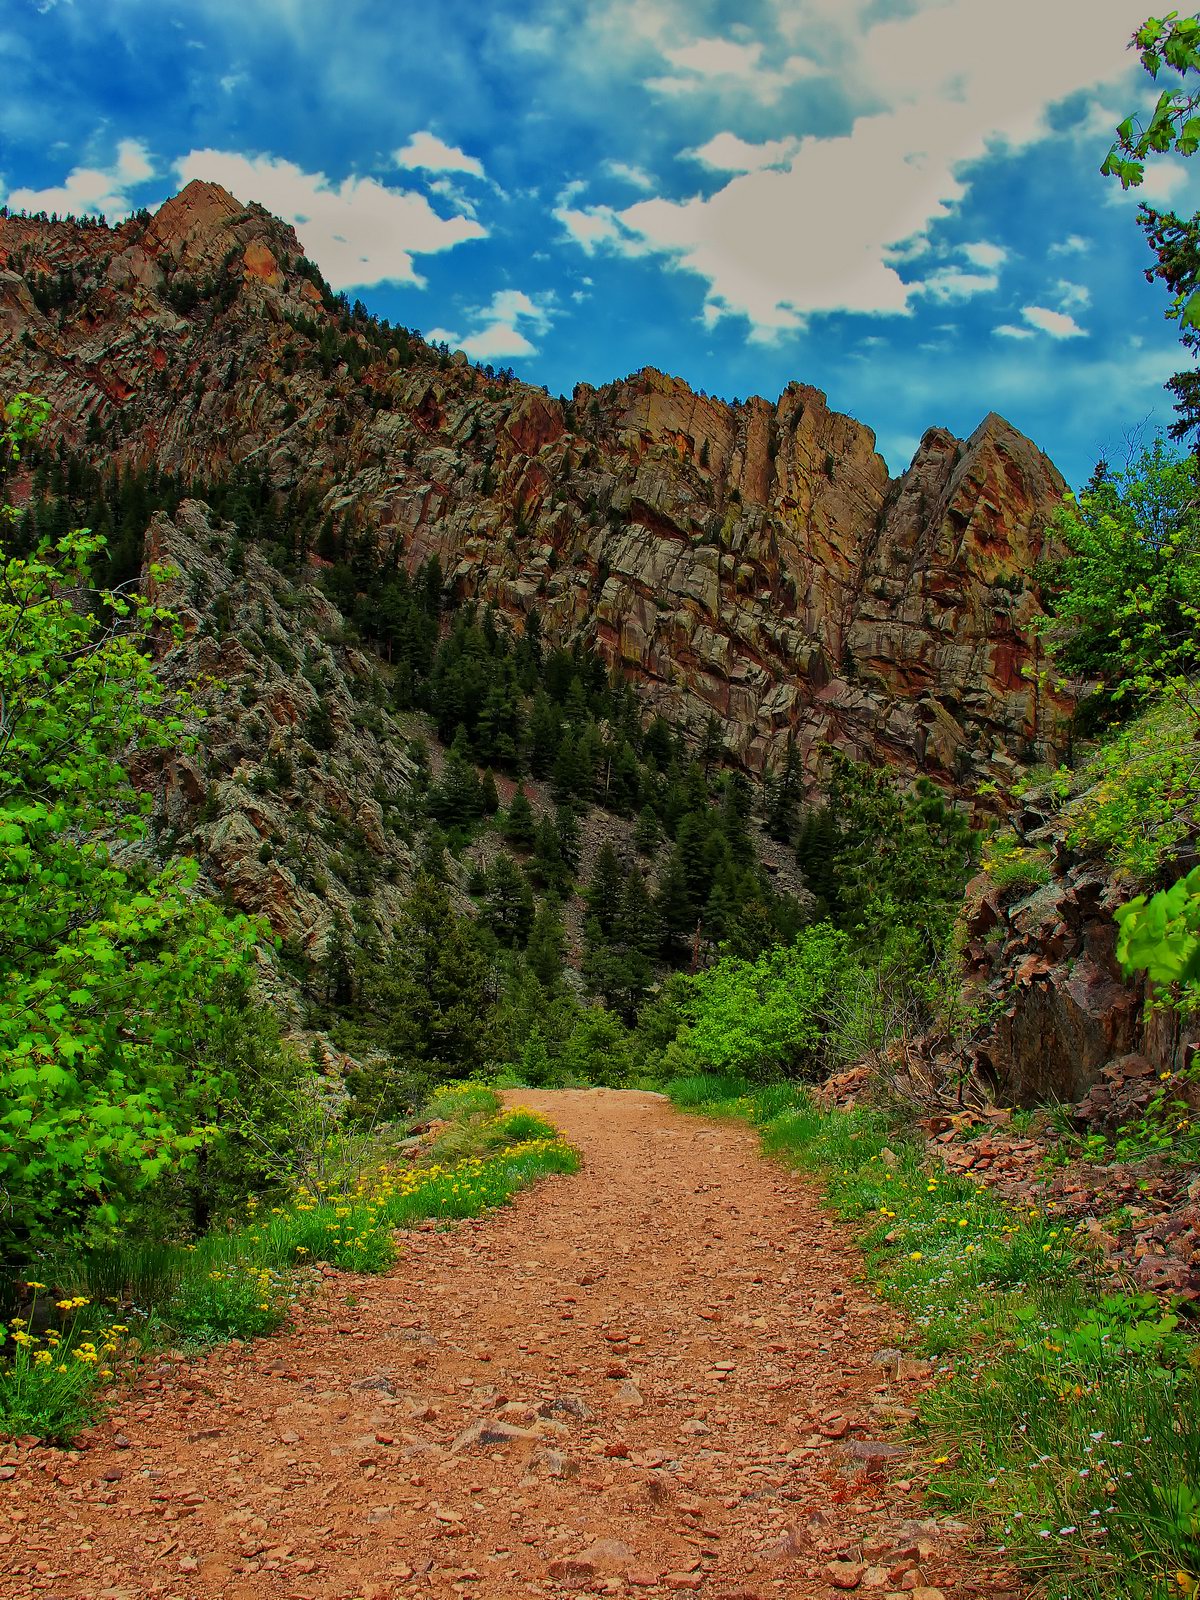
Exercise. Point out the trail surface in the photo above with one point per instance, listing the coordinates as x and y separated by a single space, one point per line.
658 1376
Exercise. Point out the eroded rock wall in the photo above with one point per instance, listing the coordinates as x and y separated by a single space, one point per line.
752 562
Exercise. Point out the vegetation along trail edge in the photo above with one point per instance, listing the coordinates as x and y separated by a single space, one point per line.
657 1375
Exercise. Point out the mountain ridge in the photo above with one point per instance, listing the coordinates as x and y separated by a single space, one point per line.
755 563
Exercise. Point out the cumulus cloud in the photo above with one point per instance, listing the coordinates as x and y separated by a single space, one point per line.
1056 323
500 326
360 231
93 190
637 176
818 231
954 283
1011 330
985 255
427 153
728 65
1072 295
725 152
593 226
1073 245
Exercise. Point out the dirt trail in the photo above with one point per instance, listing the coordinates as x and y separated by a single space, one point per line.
656 1376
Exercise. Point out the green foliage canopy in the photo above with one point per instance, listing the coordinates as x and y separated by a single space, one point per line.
1169 45
765 1016
1127 593
110 972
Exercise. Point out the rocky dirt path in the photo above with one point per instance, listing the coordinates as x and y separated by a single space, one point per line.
656 1376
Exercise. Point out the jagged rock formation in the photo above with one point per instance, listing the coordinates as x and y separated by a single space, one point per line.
1066 1020
754 562
296 828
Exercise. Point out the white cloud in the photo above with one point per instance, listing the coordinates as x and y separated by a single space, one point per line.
1009 330
102 190
447 189
953 283
428 153
358 231
1073 245
1072 296
492 343
589 228
725 152
1164 179
498 334
1056 323
941 88
637 176
987 256
727 64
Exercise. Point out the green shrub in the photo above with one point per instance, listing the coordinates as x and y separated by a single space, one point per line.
452 1100
1020 872
230 1300
520 1123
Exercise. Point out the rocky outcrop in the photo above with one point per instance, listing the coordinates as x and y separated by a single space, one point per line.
751 562
1063 1014
291 830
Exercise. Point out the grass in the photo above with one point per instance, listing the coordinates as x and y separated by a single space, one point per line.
107 1307
1068 1421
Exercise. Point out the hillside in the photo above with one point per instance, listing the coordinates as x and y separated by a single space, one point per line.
751 562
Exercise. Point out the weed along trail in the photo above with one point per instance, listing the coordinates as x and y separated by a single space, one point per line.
656 1376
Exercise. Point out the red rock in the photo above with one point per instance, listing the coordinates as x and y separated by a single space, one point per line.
845 1574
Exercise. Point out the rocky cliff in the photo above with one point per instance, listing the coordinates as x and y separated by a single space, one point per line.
753 562
293 791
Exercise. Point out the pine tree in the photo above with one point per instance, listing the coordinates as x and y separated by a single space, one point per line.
546 951
622 789
603 892
676 907
783 795
545 735
549 867
458 798
433 994
646 834
712 747
571 783
518 827
339 964
508 910
638 924
566 827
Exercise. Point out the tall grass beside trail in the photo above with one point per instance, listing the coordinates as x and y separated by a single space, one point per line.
1068 1418
88 1319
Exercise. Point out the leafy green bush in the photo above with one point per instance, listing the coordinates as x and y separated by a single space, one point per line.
760 1018
1022 871
110 974
1161 935
1135 798
453 1100
520 1123
1124 597
235 1300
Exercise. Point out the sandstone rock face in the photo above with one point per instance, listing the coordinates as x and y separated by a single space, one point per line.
752 562
1063 1011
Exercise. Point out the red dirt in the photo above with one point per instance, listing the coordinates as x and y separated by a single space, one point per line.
675 1335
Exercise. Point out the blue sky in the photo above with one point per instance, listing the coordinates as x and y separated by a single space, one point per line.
895 200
